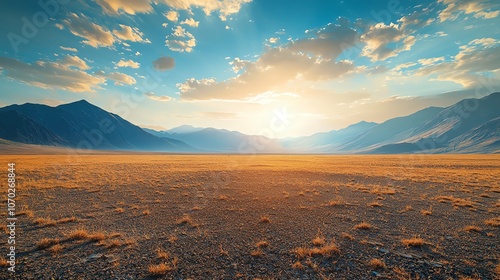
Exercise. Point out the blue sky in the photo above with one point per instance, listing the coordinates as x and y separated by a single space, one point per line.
278 68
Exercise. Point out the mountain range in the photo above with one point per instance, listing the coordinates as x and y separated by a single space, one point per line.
469 126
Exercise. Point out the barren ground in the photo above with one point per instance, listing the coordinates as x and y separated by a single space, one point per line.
245 217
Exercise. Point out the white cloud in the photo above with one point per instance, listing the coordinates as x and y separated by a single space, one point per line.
191 22
430 61
119 78
307 60
68 49
172 16
125 6
404 66
94 35
239 64
273 40
378 40
75 61
52 75
181 40
471 65
128 33
128 63
477 8
164 63
224 7
152 96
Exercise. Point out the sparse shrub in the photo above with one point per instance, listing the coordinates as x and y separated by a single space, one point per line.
297 265
262 244
473 229
376 263
265 220
413 242
363 225
159 269
46 243
493 222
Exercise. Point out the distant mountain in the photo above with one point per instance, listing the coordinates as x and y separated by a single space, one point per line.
328 141
469 126
80 125
222 140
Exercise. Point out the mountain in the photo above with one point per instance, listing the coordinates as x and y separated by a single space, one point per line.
222 140
469 126
328 141
80 125
18 128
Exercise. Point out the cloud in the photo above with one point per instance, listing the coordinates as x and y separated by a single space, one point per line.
126 6
152 96
172 16
273 40
75 61
191 22
119 78
94 35
306 60
128 63
429 61
239 64
180 40
52 75
224 7
128 33
477 8
404 66
68 49
380 37
164 63
470 67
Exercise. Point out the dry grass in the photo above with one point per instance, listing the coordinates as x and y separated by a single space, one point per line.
45 222
497 270
383 190
56 249
347 236
375 204
161 254
27 213
159 269
120 210
66 220
473 229
186 220
265 220
3 262
363 225
376 264
257 253
326 250
262 244
495 222
146 212
413 242
46 243
297 265
426 212
78 234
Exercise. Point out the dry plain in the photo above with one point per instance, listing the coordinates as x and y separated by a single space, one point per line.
255 217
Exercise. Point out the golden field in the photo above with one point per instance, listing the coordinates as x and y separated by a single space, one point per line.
141 216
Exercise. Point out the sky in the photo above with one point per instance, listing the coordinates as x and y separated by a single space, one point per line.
280 68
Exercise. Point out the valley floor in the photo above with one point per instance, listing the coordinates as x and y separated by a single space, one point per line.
246 217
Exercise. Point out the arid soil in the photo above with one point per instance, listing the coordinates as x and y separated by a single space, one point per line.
245 217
